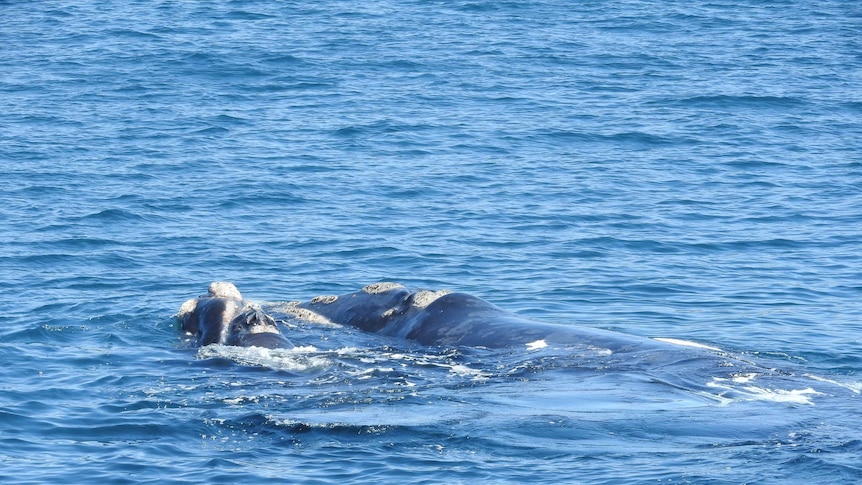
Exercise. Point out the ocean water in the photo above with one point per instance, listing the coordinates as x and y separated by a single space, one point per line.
684 170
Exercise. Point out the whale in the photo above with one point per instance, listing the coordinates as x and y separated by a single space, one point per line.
443 318
223 317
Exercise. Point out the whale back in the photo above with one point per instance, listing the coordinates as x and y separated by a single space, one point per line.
456 319
464 319
369 309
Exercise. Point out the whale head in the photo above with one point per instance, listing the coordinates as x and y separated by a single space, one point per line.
252 327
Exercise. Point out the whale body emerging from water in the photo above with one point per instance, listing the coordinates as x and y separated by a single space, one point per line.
431 318
444 319
223 317
441 318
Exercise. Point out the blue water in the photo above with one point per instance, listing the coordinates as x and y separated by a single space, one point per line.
688 170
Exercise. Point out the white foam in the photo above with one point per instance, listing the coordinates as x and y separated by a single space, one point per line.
749 392
855 387
796 396
348 351
298 359
365 374
236 401
463 370
388 362
600 350
743 378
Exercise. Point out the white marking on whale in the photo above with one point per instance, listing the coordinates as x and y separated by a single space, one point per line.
686 343
536 345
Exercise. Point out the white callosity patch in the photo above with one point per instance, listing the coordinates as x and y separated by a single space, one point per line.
293 308
382 287
187 308
254 329
423 298
325 299
224 289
